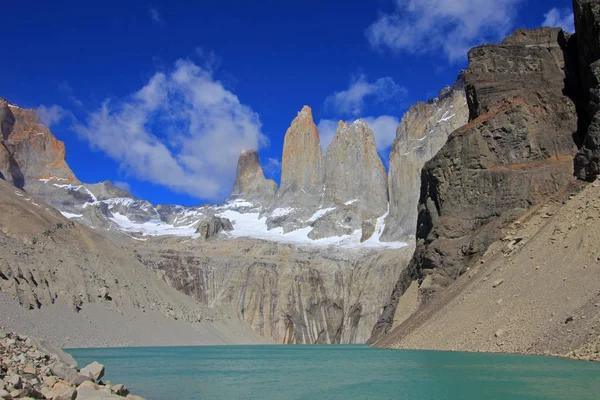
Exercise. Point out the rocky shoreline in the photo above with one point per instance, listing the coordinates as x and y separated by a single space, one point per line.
33 369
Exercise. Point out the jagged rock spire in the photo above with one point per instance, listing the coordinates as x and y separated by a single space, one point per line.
250 182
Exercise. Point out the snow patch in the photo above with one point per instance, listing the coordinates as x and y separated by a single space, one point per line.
153 227
281 212
319 214
70 215
349 203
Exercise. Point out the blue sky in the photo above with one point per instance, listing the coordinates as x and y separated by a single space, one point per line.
161 97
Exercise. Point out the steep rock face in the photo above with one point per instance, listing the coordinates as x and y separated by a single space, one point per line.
587 24
302 165
292 296
212 227
250 182
422 132
515 152
354 172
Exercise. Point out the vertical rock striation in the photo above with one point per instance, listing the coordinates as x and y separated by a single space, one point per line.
355 174
515 152
250 182
422 132
302 166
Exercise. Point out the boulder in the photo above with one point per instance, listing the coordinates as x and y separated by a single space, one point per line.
95 370
4 394
119 389
213 226
88 393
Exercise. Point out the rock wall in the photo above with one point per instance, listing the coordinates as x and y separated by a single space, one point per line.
250 182
515 152
422 132
587 24
354 172
294 296
303 164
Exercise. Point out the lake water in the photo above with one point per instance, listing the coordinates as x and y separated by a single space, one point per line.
340 372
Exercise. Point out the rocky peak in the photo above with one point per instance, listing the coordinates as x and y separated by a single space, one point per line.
516 68
355 174
422 132
302 167
7 118
250 182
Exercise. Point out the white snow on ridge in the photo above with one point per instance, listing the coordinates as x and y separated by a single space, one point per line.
349 203
250 225
322 212
70 215
281 212
153 227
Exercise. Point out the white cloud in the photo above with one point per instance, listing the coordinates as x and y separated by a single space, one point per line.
273 168
155 16
327 128
560 18
52 115
182 130
123 185
352 100
453 27
383 127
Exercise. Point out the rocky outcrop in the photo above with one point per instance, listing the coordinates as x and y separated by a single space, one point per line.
422 132
587 24
302 165
515 152
354 173
212 227
9 168
250 182
28 370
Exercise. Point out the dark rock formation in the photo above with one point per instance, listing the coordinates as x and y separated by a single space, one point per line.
250 182
423 131
354 172
515 152
212 227
587 24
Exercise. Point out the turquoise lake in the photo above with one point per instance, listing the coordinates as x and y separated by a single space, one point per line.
340 372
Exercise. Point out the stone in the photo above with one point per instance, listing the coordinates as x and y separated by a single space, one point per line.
15 381
250 182
212 227
15 394
63 371
354 173
120 389
95 370
50 381
30 369
134 397
4 394
497 283
422 132
47 392
78 379
88 393
66 394
499 333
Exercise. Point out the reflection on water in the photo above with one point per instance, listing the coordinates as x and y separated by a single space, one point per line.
341 372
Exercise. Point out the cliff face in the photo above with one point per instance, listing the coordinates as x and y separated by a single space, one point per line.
587 24
294 296
302 165
422 132
250 182
355 174
515 152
